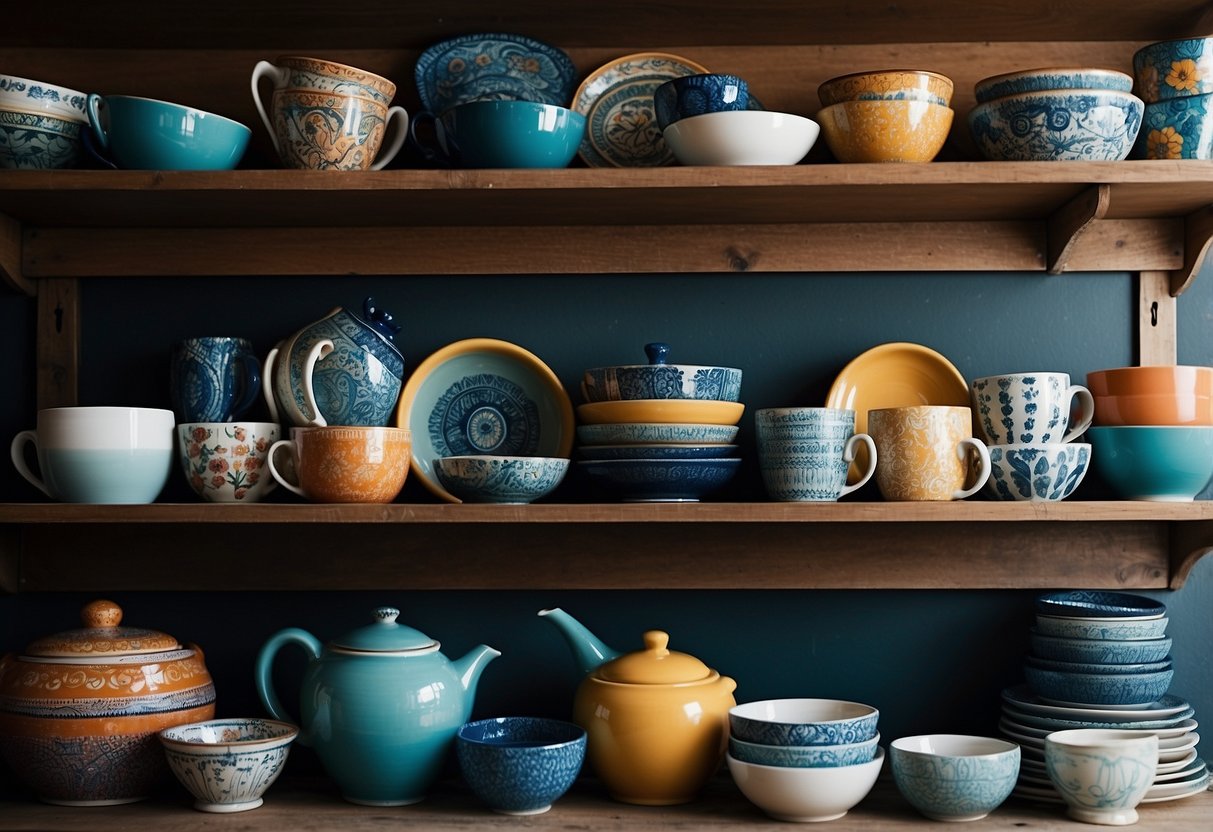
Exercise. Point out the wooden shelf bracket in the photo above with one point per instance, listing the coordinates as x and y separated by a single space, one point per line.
1198 234
1071 221
10 256
1189 543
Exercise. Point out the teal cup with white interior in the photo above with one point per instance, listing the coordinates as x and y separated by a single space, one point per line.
505 134
136 133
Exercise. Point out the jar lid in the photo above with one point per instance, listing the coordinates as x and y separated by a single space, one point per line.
385 635
656 664
102 636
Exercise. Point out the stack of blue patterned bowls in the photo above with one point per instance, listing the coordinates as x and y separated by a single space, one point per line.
1173 78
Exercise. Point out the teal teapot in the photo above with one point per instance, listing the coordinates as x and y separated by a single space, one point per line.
380 705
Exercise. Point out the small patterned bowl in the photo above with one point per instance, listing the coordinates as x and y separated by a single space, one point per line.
657 451
228 764
888 84
37 141
1051 78
661 480
1099 668
1048 471
1098 689
885 130
1057 125
1177 128
1114 629
1098 604
656 433
29 96
1174 69
520 765
694 95
1099 651
803 722
660 380
804 756
952 777
500 479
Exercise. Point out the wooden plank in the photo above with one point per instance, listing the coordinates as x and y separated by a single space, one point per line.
1198 235
10 256
58 342
1069 223
1128 245
1157 327
990 246
644 555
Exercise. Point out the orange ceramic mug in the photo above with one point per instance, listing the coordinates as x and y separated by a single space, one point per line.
344 464
926 452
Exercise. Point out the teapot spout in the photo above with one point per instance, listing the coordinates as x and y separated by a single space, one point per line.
469 669
588 650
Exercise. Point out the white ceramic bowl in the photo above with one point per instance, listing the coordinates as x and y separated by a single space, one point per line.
742 137
227 764
805 794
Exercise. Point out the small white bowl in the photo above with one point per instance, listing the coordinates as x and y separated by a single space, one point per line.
227 764
742 137
805 794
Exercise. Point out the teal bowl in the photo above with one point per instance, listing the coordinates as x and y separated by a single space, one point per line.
510 134
1160 463
146 134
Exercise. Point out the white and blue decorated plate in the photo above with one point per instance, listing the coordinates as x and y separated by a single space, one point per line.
482 396
1023 698
493 67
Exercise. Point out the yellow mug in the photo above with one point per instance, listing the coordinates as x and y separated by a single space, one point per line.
926 452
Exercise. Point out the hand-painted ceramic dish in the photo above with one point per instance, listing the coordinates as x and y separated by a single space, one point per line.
626 433
1095 604
657 451
665 411
493 67
483 396
1023 698
898 374
1051 78
500 479
617 101
661 480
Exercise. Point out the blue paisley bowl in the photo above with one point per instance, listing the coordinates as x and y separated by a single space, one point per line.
1099 651
1174 69
804 756
30 141
1099 668
1098 689
520 765
1048 471
659 380
694 95
657 451
953 777
655 433
493 66
1051 78
29 96
1098 604
228 764
803 722
500 479
1177 128
1058 125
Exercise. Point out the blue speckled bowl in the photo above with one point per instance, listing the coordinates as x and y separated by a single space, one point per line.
804 756
500 479
1115 629
1051 78
803 722
661 480
1099 651
1112 689
1049 471
1058 125
1174 69
953 777
1177 128
1083 603
520 765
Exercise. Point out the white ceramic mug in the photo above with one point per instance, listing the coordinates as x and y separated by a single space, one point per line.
1030 408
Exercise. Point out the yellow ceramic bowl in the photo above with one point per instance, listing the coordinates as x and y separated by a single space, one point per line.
892 84
885 131
661 411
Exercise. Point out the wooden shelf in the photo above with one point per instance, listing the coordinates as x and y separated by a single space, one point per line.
870 545
315 805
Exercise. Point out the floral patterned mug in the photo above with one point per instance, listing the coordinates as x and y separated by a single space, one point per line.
926 452
225 462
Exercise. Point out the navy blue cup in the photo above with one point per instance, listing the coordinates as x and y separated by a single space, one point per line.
213 379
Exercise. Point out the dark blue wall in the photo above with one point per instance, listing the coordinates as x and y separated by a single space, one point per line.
930 660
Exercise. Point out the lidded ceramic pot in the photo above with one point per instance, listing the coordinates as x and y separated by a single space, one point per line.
80 710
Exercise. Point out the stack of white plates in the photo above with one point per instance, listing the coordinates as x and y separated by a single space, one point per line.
1027 719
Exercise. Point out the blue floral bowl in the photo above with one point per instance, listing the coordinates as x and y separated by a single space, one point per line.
1177 128
650 433
520 765
1049 471
694 95
1051 78
1099 668
1174 69
657 451
1100 651
1098 604
659 380
228 764
1098 689
803 722
1115 629
1058 125
38 141
500 479
953 777
804 756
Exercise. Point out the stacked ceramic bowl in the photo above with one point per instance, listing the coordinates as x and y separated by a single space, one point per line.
1175 79
804 759
1101 660
1153 430
659 432
1056 114
40 124
894 115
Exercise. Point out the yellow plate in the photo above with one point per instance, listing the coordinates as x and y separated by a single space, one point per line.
662 411
898 374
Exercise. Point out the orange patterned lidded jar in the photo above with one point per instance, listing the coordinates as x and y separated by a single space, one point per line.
80 710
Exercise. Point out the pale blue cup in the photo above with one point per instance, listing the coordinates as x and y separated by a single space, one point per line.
145 134
99 454
506 134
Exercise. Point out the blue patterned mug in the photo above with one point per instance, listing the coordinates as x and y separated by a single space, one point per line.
1030 408
804 453
213 379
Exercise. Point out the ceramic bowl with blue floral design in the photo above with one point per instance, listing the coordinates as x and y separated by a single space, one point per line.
1047 471
1051 78
661 380
694 95
953 777
1116 629
1057 125
1098 650
1177 128
38 141
804 756
656 433
1174 69
493 66
1098 689
30 96
228 764
803 722
500 479
520 765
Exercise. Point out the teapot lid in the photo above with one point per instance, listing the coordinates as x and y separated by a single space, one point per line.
101 636
385 635
656 664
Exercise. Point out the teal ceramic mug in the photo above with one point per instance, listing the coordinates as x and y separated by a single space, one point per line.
505 134
145 134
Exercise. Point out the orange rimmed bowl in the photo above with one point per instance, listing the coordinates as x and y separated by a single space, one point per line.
1168 380
1154 409
885 130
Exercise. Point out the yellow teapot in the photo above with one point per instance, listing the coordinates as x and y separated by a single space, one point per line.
657 720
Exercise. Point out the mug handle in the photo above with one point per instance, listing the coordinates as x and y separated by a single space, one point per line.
289 444
250 384
92 107
265 69
983 473
267 386
388 153
1087 402
432 153
848 456
319 350
17 450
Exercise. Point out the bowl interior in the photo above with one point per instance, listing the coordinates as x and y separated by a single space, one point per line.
223 732
953 745
520 732
1099 604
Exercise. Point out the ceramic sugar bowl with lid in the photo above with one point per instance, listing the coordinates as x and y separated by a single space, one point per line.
80 710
